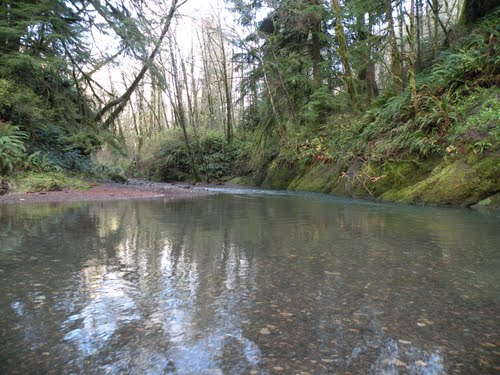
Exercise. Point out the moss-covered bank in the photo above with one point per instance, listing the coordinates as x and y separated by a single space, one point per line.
459 182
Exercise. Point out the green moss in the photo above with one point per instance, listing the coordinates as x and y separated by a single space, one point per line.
457 184
51 181
490 202
242 180
401 174
318 179
279 175
489 170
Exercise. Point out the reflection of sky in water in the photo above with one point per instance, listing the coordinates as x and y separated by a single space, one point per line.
192 347
234 284
109 308
197 347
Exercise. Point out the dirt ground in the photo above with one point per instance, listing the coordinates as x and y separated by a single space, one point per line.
135 189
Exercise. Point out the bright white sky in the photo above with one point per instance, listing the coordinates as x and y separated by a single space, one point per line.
184 27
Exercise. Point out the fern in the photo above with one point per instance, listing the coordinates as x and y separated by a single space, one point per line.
12 148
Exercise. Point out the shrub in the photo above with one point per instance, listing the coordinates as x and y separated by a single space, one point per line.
169 159
12 148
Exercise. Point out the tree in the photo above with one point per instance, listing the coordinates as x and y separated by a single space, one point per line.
412 57
344 55
180 113
117 105
397 73
474 9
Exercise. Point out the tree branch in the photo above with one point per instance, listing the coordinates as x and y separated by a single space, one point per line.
121 102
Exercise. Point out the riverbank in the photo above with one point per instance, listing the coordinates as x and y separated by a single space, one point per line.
471 181
105 191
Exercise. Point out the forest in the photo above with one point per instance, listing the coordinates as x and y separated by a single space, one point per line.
388 99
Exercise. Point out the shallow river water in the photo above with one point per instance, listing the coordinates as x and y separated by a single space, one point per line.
248 283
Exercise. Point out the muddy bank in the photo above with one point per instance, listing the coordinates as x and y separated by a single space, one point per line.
134 189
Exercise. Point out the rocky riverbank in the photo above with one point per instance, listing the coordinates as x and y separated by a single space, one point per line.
107 190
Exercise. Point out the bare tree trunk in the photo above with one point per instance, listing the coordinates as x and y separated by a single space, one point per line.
396 72
194 90
181 116
418 62
227 89
207 80
316 47
402 40
411 58
434 5
371 77
188 92
344 55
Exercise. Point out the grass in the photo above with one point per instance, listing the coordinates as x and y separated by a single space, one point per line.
32 182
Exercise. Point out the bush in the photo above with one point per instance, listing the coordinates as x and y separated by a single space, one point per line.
169 159
12 148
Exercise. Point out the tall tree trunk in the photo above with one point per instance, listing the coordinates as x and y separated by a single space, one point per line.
401 26
418 7
227 90
397 74
194 89
411 58
434 5
181 115
372 82
207 79
316 46
364 47
344 55
435 12
188 92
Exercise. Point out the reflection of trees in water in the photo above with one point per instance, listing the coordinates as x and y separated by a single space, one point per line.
40 274
123 281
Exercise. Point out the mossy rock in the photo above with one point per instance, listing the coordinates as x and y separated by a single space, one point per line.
319 179
490 202
398 175
279 174
455 184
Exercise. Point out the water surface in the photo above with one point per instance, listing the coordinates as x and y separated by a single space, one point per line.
248 283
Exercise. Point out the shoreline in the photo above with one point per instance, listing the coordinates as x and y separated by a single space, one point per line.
108 191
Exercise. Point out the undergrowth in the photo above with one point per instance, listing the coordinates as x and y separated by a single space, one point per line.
168 158
32 182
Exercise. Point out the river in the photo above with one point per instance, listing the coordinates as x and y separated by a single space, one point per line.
248 282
